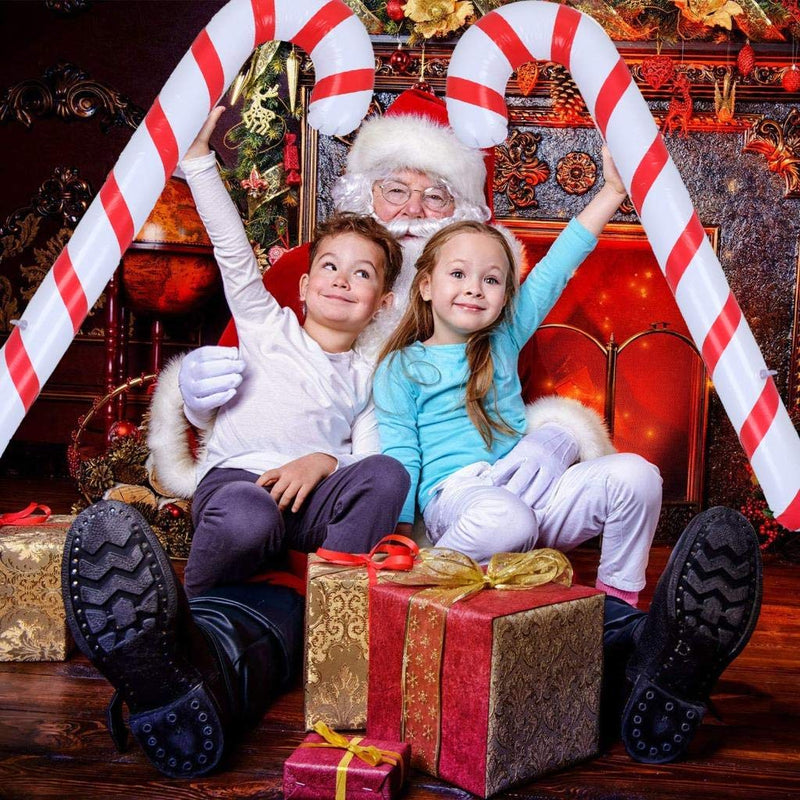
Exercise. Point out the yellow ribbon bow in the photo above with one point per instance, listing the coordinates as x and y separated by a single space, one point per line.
368 753
445 568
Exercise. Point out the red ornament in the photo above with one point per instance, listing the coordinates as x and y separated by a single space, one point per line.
291 160
424 86
123 429
658 70
400 60
791 79
746 60
394 10
527 77
680 108
173 510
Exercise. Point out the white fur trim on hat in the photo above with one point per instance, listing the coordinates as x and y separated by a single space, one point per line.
410 141
585 424
168 436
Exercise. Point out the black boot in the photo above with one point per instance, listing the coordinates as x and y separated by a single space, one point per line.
704 610
622 625
186 684
258 628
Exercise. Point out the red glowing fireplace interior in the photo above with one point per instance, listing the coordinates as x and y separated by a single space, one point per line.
617 342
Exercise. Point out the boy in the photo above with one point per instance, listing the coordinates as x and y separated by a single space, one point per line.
292 462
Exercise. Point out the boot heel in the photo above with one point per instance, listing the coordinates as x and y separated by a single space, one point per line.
184 738
657 727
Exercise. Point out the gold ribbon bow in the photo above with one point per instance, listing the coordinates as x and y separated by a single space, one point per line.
368 753
438 566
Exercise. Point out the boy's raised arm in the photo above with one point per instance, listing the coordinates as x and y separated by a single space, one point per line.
248 299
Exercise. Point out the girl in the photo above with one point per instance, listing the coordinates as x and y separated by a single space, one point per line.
450 409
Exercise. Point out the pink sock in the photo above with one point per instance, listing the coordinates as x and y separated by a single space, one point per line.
628 597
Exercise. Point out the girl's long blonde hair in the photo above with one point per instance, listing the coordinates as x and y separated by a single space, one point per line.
417 325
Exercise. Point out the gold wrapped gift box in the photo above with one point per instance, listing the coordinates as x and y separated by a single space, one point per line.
33 625
337 645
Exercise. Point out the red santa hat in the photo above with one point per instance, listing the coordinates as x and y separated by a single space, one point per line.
415 134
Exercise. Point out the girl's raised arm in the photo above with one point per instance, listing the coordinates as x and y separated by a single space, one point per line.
603 205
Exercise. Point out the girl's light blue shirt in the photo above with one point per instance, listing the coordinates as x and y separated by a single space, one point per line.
419 391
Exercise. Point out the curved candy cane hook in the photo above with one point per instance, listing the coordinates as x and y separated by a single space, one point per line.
480 67
345 71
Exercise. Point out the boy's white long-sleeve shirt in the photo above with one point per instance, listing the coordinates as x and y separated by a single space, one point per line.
294 398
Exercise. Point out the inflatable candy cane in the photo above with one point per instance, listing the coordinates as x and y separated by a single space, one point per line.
480 67
344 67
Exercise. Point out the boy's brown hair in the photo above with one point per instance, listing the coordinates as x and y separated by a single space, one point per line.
369 229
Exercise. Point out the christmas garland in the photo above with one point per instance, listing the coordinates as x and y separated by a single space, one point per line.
624 20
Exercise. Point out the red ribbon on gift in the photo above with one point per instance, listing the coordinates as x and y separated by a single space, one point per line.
394 552
26 517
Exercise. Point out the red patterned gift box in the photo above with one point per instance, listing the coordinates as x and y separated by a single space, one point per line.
33 625
490 688
329 766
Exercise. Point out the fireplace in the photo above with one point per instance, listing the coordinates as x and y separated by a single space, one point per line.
617 342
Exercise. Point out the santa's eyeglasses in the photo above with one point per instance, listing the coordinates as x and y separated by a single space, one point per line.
397 193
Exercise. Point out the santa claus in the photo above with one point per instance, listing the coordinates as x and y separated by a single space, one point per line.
229 650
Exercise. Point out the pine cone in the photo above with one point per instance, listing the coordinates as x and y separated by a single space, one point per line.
97 477
78 506
175 534
567 101
130 473
128 450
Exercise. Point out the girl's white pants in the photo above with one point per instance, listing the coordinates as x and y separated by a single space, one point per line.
536 496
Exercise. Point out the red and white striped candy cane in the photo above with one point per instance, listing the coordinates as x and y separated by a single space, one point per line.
345 71
481 65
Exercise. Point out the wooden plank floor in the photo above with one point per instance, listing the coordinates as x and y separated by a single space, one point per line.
53 741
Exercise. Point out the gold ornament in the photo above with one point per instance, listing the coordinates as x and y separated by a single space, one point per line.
373 25
292 74
438 17
245 81
725 100
262 259
257 117
710 13
271 185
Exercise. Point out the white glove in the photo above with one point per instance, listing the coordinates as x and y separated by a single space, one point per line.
208 379
531 469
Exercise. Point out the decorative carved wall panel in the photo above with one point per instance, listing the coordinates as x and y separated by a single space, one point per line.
67 91
518 170
63 194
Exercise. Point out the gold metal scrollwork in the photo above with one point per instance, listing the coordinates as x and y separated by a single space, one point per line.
780 145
